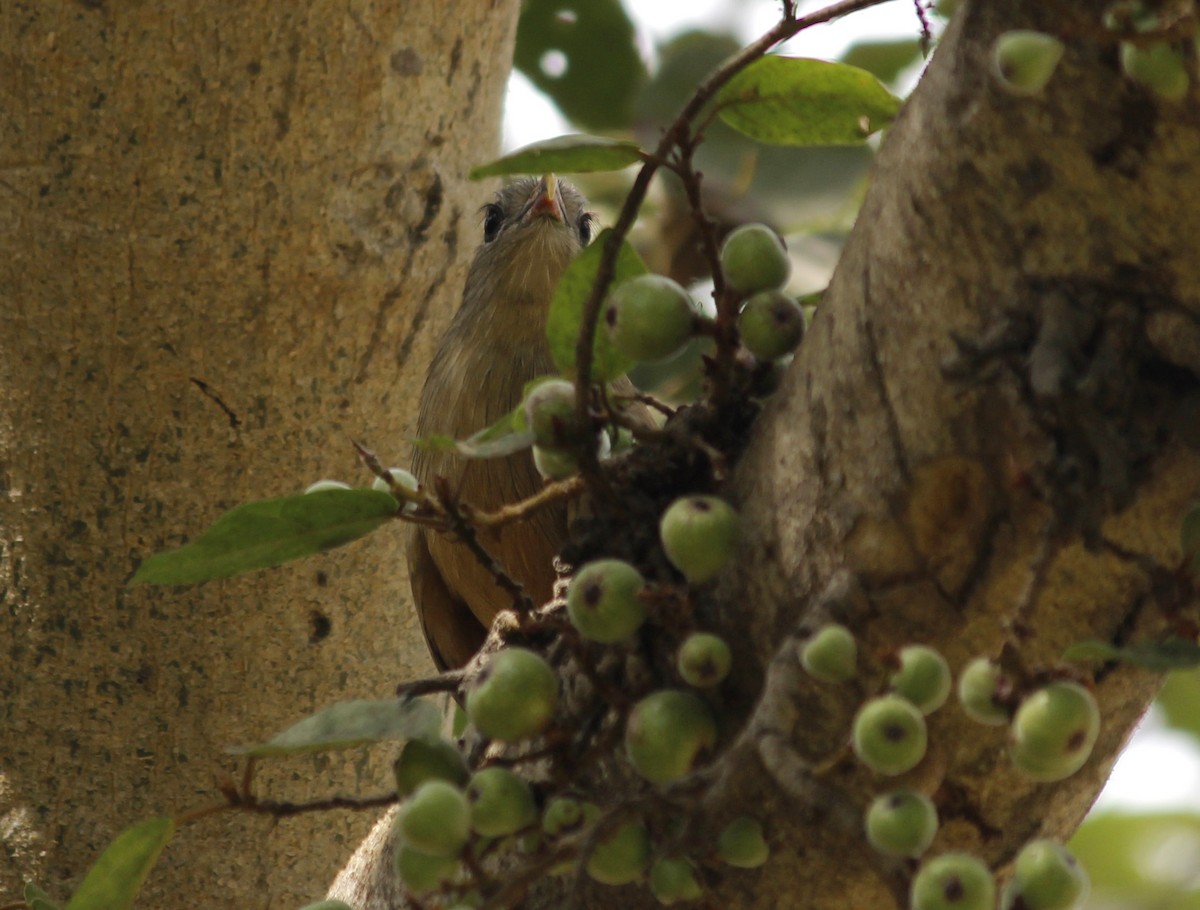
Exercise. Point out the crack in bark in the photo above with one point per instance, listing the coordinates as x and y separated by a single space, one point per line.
875 371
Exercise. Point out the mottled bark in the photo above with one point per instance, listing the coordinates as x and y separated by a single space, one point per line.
988 437
229 234
1020 495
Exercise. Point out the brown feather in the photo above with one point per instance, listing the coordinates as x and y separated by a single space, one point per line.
495 344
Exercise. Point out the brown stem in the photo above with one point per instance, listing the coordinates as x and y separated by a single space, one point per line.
459 519
517 511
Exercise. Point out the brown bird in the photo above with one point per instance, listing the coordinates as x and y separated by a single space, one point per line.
495 344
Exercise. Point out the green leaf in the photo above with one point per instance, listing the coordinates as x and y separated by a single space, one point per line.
114 881
815 187
566 310
507 435
269 532
351 723
1178 699
504 437
798 101
1159 656
884 59
595 41
573 154
37 899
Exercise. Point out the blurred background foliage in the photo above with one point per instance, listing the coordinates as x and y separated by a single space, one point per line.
595 63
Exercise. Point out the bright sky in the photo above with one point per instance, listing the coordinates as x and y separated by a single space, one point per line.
1160 769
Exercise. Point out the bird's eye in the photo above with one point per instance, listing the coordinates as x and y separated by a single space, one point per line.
585 228
492 222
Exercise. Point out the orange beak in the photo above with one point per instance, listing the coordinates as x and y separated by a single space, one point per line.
546 201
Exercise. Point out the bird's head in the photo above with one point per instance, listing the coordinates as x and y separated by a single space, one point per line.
531 230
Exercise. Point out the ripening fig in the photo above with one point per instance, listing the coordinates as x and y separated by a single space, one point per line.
501 802
400 477
668 733
953 881
1025 60
923 678
673 881
980 690
603 603
322 485
699 534
1159 68
771 325
436 819
753 259
554 464
901 823
889 735
564 814
703 660
420 872
649 317
742 844
1053 731
514 696
622 857
831 655
429 759
1045 877
550 413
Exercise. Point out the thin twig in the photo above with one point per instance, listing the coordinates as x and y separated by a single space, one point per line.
449 681
1039 566
371 460
459 520
518 511
286 809
649 401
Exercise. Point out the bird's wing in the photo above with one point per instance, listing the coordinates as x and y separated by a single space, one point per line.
452 632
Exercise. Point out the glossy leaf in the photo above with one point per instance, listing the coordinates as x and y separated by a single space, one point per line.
584 56
497 441
566 310
815 187
117 876
1159 656
573 154
504 437
351 723
798 101
269 532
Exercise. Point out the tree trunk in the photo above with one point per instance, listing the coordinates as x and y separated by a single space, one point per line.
230 233
987 439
